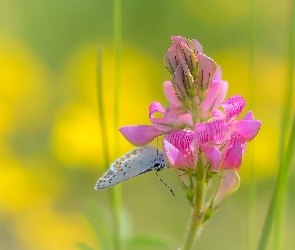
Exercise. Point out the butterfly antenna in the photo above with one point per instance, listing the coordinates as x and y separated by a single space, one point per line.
165 184
157 145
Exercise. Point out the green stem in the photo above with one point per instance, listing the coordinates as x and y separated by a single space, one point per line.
285 122
101 116
197 217
195 112
279 189
276 205
116 198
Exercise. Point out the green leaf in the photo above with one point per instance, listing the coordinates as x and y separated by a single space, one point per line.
83 246
97 218
146 242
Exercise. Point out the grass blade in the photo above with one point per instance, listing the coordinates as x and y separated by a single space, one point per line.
116 191
279 190
83 246
276 205
96 217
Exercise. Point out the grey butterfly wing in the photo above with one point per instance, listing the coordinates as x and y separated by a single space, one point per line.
133 163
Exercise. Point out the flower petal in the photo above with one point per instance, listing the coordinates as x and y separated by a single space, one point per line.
248 129
213 155
215 95
233 157
217 75
155 107
233 106
187 57
198 48
216 132
229 184
170 94
180 39
171 59
249 116
217 113
185 118
174 156
236 137
140 135
183 140
178 83
207 68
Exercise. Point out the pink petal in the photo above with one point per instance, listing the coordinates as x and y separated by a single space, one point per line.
207 68
173 119
178 83
217 75
233 158
154 108
236 137
215 95
217 113
233 106
180 39
161 124
187 56
220 133
193 44
198 48
249 116
185 118
171 59
229 184
216 132
174 156
213 155
248 129
177 118
183 140
170 94
140 135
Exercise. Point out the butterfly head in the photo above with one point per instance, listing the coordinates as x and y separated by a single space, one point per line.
159 162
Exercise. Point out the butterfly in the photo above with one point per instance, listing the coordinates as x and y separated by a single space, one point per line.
136 162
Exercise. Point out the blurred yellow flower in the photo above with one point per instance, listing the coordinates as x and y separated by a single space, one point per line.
24 92
43 227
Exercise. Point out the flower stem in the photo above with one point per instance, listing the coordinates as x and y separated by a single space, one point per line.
197 218
195 113
116 193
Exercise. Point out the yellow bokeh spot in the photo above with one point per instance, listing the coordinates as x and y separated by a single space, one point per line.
18 184
43 227
23 93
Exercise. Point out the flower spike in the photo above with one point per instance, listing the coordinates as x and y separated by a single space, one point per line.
200 131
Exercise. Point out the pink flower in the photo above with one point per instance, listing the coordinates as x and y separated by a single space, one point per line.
241 132
182 147
222 141
214 133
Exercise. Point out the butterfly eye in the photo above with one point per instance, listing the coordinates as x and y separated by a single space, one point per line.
157 165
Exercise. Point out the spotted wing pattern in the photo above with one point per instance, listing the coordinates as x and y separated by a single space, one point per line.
138 161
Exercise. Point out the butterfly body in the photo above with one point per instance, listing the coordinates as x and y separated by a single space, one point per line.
136 162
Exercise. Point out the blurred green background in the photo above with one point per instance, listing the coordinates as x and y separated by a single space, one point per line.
50 141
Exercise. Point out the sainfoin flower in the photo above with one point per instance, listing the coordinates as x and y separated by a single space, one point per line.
200 130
